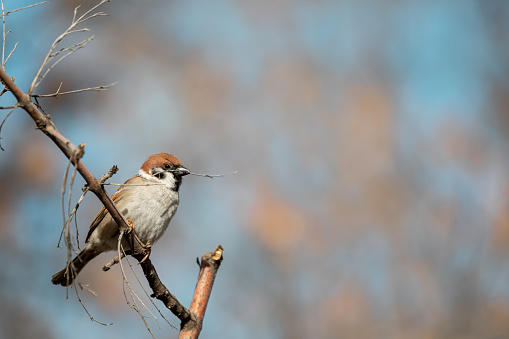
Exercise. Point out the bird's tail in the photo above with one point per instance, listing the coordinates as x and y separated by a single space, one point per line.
66 276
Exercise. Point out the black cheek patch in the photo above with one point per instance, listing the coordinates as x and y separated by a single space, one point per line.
178 182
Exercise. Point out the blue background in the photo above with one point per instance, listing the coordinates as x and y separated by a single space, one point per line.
371 142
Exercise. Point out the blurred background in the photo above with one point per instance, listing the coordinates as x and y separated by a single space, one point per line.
371 137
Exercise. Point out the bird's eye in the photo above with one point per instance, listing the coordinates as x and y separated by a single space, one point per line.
167 166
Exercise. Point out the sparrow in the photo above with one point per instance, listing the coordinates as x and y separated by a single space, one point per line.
149 200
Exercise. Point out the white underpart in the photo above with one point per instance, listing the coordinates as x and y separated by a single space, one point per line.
155 205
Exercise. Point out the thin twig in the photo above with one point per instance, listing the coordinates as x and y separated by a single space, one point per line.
22 8
83 305
88 289
113 261
213 175
5 90
77 156
131 291
73 159
95 88
70 50
4 32
10 54
3 122
146 293
68 265
74 211
114 184
113 170
52 53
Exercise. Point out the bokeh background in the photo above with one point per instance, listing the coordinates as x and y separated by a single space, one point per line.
371 138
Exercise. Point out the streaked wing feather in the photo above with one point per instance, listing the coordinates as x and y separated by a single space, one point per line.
116 199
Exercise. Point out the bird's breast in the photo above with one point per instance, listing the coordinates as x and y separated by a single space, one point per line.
151 211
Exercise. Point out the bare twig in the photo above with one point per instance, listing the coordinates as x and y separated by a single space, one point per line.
145 291
114 184
4 32
39 78
70 215
83 305
88 289
78 153
65 231
3 122
113 170
213 175
133 294
113 261
10 54
146 294
96 88
48 64
73 213
22 8
85 189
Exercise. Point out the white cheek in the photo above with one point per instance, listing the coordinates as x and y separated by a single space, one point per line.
168 180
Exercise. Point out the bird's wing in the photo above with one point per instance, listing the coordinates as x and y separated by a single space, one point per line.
116 199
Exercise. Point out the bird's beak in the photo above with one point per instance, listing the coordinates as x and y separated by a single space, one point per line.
182 171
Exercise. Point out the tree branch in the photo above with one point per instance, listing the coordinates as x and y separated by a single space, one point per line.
54 95
209 265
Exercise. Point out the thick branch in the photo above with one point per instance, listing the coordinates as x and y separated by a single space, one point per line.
209 265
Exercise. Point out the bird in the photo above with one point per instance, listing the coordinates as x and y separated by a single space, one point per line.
149 200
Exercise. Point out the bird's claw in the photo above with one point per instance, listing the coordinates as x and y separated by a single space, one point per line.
148 247
130 224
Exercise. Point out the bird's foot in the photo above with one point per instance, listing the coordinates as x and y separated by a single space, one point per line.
148 247
130 223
